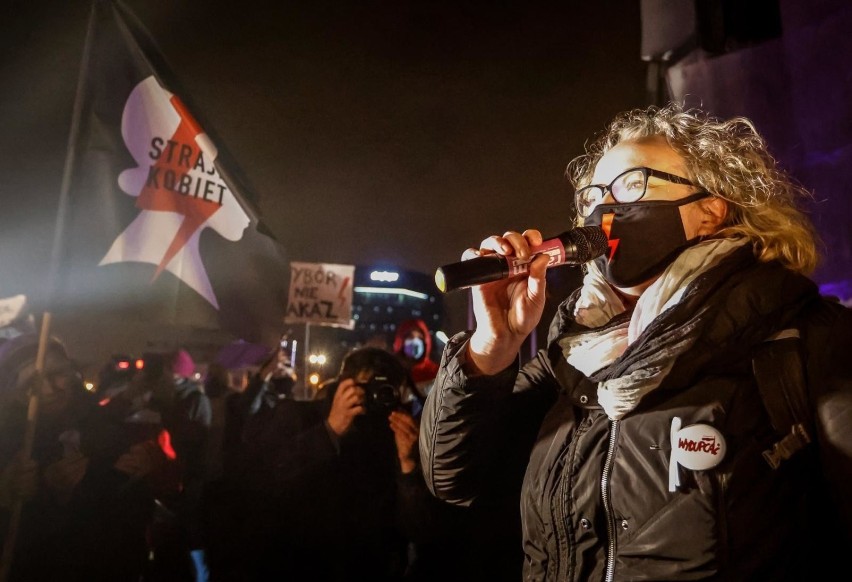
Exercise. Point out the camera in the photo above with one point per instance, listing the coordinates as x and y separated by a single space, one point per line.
380 395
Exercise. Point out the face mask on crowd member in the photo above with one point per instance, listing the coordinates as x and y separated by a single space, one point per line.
414 347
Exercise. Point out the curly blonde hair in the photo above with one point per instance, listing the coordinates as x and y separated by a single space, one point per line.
730 160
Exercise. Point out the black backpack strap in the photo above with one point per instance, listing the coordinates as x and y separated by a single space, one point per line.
779 372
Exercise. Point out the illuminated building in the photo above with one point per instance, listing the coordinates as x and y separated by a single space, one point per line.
382 298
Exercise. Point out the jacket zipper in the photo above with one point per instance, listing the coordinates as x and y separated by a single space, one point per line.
607 502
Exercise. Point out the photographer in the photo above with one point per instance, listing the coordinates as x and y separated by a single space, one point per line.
369 478
340 495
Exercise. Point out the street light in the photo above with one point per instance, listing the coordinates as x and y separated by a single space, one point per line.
318 359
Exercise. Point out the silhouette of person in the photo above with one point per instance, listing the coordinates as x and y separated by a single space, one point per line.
178 189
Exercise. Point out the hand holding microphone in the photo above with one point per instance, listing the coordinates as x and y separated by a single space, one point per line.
507 312
573 247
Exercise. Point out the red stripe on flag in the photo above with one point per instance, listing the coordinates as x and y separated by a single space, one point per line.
179 159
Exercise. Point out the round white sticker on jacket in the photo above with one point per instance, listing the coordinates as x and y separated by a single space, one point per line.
697 447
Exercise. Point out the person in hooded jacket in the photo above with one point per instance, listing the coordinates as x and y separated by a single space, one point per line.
412 343
86 489
641 441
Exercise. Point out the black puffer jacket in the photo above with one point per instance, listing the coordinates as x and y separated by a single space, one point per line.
592 489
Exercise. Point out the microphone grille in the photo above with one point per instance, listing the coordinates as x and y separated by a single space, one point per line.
591 242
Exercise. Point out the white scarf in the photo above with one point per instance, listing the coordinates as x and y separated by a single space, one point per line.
599 303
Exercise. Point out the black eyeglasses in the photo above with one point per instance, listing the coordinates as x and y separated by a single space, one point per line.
629 186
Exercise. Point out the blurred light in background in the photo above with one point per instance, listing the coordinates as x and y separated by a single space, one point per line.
384 276
391 291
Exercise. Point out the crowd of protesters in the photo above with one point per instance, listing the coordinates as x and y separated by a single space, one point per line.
165 473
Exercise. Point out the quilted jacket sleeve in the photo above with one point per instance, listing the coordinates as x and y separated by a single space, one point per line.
476 432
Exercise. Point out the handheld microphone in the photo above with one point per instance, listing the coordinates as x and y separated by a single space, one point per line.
572 247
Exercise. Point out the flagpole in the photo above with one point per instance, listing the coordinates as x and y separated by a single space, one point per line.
27 449
55 261
305 383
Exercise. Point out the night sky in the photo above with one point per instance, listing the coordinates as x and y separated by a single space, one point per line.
393 132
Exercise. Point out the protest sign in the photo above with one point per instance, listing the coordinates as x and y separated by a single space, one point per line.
320 293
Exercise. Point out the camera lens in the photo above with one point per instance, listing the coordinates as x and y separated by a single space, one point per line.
380 395
385 395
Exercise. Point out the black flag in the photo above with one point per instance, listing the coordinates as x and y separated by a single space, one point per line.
153 224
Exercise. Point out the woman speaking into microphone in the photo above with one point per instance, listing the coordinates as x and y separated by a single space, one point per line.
691 415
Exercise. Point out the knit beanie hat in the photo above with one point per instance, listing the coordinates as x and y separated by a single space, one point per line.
182 364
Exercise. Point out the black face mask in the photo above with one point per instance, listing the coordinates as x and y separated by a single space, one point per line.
644 238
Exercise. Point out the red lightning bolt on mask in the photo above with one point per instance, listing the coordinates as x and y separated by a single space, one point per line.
606 226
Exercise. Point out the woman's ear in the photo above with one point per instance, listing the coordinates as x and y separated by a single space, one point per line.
714 211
